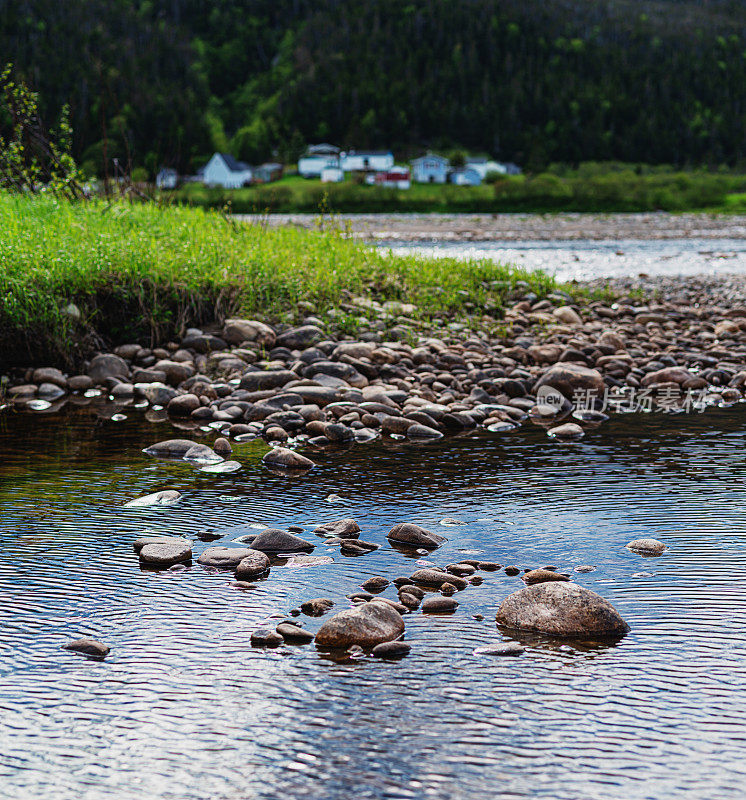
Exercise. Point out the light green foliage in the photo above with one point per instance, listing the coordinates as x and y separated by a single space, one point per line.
138 271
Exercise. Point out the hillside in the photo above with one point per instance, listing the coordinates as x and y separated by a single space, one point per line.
535 81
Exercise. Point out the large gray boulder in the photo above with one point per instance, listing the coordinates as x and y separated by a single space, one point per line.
164 554
561 609
107 365
224 556
366 625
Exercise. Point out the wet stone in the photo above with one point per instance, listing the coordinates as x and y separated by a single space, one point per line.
542 576
317 607
224 556
293 633
252 565
647 547
266 637
439 605
165 554
88 647
512 571
391 650
500 649
375 584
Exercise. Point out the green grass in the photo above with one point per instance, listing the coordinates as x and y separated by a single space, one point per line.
604 187
143 272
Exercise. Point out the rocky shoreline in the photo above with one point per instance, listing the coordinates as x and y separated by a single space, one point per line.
560 362
522 227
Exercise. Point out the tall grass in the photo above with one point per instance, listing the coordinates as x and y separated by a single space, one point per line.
138 271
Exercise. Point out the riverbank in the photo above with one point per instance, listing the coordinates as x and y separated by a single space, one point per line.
77 277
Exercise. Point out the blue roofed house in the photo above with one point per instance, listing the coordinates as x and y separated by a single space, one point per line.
226 171
430 168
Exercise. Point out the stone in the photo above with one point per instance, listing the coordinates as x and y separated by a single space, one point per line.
409 600
201 454
567 315
433 577
300 338
393 649
461 569
561 609
261 380
293 633
283 458
568 377
88 647
170 448
224 556
356 547
158 394
585 568
512 570
237 331
167 497
375 584
252 565
499 649
107 365
541 576
418 431
439 605
79 383
222 446
49 375
317 607
176 372
266 637
164 554
410 534
138 544
569 430
365 625
274 540
183 405
648 547
341 529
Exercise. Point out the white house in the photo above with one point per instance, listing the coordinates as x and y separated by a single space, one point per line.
467 176
332 174
167 178
224 170
484 166
430 169
366 161
311 166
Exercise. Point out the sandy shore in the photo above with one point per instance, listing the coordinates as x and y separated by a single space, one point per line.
522 227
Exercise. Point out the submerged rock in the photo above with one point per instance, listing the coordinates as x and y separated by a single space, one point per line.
225 556
366 625
201 454
375 584
393 649
411 534
138 544
342 529
499 649
88 647
434 577
542 576
167 497
647 547
283 458
253 564
561 609
164 554
317 607
294 633
439 605
221 467
170 448
273 540
266 637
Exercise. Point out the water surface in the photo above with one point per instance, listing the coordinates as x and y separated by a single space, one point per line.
184 708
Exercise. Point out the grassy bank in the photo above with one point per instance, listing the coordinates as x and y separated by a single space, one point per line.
590 188
140 272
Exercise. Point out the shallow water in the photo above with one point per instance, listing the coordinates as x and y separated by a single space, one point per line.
184 708
589 259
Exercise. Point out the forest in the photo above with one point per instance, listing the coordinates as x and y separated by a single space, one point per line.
537 82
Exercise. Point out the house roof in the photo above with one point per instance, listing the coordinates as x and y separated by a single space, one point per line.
233 164
323 149
477 160
369 153
270 165
430 157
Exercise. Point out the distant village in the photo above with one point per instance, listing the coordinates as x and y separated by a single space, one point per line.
330 164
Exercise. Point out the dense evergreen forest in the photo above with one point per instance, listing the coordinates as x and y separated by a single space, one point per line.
534 81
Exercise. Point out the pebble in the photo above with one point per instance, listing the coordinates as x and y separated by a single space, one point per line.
88 647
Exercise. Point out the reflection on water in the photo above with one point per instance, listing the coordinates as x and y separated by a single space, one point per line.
185 708
589 259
